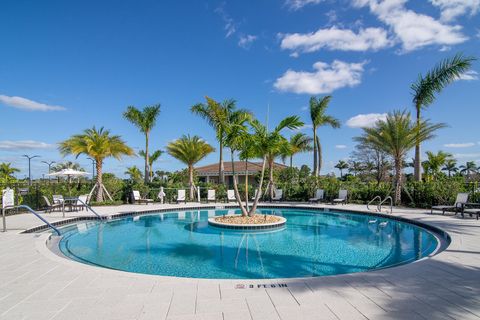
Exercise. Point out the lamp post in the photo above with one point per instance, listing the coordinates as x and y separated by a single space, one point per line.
93 167
29 167
49 164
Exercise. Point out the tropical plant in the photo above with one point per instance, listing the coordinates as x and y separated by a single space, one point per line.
144 120
450 166
67 165
434 163
134 173
189 150
98 144
151 159
355 167
396 135
468 168
318 107
433 82
341 165
298 143
7 172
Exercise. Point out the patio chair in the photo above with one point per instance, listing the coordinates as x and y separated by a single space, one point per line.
342 197
319 195
139 199
57 199
80 203
211 195
462 198
471 211
49 207
231 196
181 196
277 195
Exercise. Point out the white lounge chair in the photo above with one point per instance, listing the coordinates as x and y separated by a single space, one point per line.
211 195
342 197
181 196
57 199
49 207
319 196
277 195
139 199
80 203
231 195
462 198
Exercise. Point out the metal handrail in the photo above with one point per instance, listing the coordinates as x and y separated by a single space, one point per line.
375 198
391 203
86 206
35 214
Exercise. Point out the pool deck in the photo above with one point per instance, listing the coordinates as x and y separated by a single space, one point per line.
37 284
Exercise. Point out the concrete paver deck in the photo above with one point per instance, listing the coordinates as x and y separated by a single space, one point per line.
37 284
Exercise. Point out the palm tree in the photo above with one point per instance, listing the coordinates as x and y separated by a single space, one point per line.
426 87
134 173
355 167
341 165
151 159
450 166
218 115
67 165
144 120
298 143
469 168
319 118
97 144
396 135
7 171
189 150
435 161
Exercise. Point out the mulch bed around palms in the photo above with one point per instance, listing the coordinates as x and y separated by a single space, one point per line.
256 219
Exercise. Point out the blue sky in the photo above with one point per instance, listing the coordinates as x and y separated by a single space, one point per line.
66 66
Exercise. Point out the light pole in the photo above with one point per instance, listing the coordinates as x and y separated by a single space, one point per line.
49 164
93 167
29 168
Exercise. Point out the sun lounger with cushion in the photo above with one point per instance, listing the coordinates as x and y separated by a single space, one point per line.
319 194
139 199
342 197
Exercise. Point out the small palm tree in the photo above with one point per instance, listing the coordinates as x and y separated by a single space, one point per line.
97 144
319 118
450 166
67 165
396 135
341 165
144 120
134 173
7 172
189 150
298 143
355 167
435 161
426 87
468 168
151 159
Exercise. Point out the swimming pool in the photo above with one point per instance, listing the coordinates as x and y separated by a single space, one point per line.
312 243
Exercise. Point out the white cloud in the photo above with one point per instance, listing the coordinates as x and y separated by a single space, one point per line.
245 41
230 25
466 155
324 79
469 75
26 104
298 4
459 145
304 127
451 9
337 39
340 146
412 29
23 145
365 120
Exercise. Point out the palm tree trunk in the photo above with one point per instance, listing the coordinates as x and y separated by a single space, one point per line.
398 181
315 172
257 196
99 163
190 181
147 162
319 150
291 161
270 177
235 188
417 172
221 167
246 184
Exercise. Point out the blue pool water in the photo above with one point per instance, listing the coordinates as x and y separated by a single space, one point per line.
313 243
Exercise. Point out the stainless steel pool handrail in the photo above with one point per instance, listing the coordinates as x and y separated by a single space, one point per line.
31 211
370 202
384 200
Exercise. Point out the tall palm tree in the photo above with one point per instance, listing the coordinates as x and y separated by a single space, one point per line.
396 135
7 171
97 144
298 143
218 115
144 120
433 82
435 161
151 159
341 165
189 150
468 168
318 107
134 173
450 166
